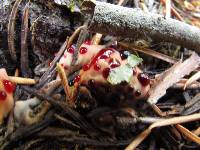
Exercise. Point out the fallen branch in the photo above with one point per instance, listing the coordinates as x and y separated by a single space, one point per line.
127 22
149 52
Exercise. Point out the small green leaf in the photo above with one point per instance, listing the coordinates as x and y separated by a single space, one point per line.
124 72
133 60
119 74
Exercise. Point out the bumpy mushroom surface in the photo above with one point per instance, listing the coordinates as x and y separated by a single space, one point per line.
97 62
6 94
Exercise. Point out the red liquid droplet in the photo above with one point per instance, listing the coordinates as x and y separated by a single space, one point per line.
106 72
65 67
83 50
86 67
70 50
62 65
114 63
97 67
102 54
50 63
9 86
88 42
77 78
3 95
144 79
103 57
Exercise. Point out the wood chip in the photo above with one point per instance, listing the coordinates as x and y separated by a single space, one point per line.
172 76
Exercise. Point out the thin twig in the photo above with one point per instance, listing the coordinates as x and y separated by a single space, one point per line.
24 48
149 52
20 80
143 6
11 30
70 112
192 79
174 12
197 131
47 75
74 35
68 122
81 39
64 82
188 133
164 122
168 8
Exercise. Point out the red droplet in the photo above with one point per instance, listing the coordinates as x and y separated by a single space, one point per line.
97 67
65 56
114 63
50 63
104 53
134 71
88 42
106 72
103 57
9 86
86 67
83 50
144 79
65 67
3 95
62 65
77 78
70 50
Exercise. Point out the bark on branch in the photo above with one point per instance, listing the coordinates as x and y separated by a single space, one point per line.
128 22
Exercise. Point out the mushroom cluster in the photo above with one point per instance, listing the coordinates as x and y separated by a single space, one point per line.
97 62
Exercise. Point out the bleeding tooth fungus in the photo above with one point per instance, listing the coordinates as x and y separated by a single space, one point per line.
97 61
6 95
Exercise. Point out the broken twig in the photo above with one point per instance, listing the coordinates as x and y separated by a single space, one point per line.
127 22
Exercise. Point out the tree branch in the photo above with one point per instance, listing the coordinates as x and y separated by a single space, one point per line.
128 22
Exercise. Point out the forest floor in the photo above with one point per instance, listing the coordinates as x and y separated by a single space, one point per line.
91 75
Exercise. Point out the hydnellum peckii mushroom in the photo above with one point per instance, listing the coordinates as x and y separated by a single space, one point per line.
7 87
96 63
6 95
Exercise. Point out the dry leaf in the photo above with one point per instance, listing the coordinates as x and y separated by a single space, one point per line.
172 76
